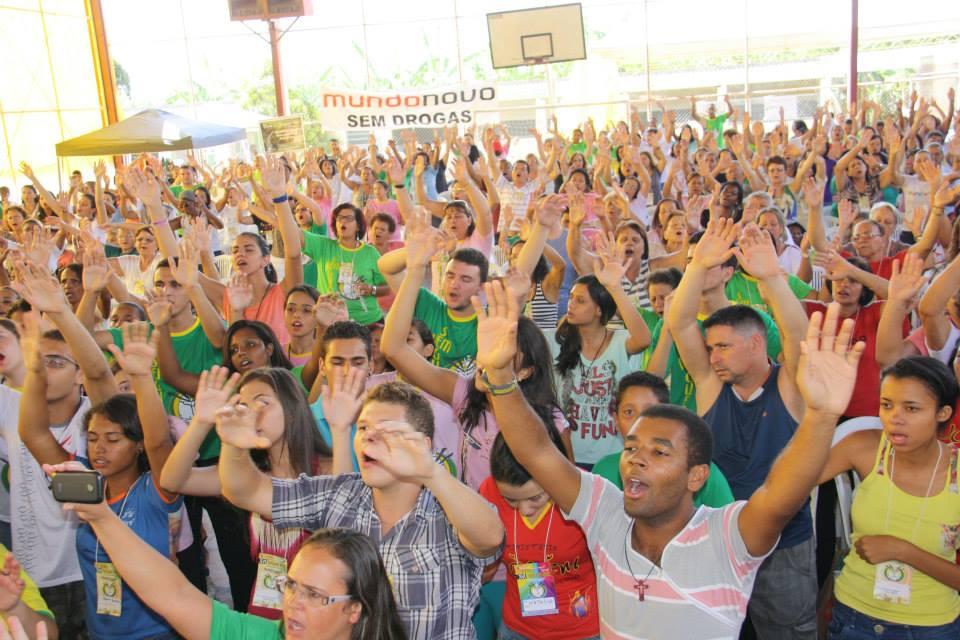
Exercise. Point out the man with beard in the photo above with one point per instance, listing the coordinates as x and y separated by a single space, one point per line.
753 408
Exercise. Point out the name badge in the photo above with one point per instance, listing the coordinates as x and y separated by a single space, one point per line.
109 590
537 589
892 582
270 569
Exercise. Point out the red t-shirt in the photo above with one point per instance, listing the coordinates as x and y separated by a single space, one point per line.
571 564
866 392
884 266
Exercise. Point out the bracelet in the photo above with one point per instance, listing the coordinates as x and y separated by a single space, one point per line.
161 222
281 199
374 291
498 389
399 186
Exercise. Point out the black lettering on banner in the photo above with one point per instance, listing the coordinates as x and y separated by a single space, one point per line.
411 118
352 121
473 96
451 99
466 116
366 122
431 100
488 93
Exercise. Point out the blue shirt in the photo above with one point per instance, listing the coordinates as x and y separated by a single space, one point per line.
324 428
146 512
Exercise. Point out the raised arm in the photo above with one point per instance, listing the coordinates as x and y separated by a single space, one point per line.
826 375
933 304
44 294
45 196
179 475
275 186
813 197
904 288
34 420
185 272
242 482
477 200
609 268
758 257
422 243
146 187
581 258
711 252
136 359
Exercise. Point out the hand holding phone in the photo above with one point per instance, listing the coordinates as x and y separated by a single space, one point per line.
83 487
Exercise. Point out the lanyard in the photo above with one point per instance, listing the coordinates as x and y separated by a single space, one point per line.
516 550
96 553
923 506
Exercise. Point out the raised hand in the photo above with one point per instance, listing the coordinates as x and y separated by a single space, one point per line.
214 390
827 371
422 245
756 253
11 585
549 210
343 398
395 171
96 271
139 349
496 328
714 246
945 195
273 177
330 308
159 309
239 292
517 283
402 451
237 426
199 234
146 188
39 288
906 280
184 269
847 213
609 266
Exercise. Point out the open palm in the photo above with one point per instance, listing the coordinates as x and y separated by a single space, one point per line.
237 426
496 328
827 371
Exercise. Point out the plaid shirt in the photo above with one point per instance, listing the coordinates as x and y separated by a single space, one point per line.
435 580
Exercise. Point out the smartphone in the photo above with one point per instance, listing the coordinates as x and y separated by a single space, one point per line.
85 487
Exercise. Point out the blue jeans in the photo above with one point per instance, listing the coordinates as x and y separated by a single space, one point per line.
850 624
783 605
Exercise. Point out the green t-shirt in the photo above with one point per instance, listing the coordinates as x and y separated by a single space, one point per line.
682 390
196 354
716 125
650 317
744 289
227 624
454 339
715 492
339 268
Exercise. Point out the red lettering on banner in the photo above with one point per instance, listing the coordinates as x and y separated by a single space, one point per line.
393 101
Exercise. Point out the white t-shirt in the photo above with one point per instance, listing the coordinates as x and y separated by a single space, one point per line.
137 281
585 393
916 195
44 537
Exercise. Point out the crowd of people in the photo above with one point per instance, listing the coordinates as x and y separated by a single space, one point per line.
444 390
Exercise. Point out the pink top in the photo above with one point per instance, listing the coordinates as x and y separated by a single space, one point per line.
269 311
389 207
483 244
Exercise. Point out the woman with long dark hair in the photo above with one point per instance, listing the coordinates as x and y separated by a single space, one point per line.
295 447
590 358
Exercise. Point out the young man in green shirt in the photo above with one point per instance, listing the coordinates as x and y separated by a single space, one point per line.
636 392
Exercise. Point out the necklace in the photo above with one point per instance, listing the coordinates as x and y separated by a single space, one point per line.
583 369
639 584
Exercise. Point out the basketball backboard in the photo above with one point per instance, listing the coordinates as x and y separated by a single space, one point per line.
536 36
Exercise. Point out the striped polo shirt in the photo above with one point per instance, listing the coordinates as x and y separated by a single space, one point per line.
699 592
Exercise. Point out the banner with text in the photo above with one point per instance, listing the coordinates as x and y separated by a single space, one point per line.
353 110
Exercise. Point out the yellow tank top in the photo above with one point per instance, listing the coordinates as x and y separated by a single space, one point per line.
935 528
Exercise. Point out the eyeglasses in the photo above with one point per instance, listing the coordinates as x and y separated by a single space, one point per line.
867 237
53 361
311 596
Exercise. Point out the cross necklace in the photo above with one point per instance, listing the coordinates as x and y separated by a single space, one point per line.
640 585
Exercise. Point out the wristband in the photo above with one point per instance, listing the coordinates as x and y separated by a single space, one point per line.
498 389
281 199
399 186
161 222
374 291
